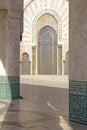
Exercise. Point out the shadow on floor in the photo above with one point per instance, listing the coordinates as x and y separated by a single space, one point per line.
42 108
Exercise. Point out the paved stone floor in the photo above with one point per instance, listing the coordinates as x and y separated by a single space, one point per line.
44 106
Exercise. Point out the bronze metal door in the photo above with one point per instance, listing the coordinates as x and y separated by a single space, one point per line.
47 51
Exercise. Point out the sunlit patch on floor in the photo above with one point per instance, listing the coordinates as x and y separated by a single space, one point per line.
64 124
4 106
50 105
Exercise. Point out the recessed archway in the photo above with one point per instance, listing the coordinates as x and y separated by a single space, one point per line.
25 67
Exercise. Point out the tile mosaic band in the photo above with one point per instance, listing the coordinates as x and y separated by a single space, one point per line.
9 87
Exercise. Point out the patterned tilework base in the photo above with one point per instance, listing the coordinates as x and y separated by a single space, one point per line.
9 87
78 101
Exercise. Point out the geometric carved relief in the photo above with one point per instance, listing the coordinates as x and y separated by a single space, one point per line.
78 101
46 20
78 87
51 13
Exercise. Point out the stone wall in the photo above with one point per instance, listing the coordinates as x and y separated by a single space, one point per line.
10 31
78 61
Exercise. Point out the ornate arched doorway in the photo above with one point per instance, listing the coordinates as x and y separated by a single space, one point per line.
47 51
25 64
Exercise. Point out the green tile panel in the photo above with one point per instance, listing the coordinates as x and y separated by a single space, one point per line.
78 87
78 101
9 87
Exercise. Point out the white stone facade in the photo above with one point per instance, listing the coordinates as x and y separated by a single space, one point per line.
34 10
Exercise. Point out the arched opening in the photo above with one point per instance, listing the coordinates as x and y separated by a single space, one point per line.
25 67
47 51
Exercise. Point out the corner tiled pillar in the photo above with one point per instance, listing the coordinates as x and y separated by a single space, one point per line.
10 30
78 101
9 87
78 61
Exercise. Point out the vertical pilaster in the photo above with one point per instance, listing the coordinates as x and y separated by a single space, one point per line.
78 61
33 60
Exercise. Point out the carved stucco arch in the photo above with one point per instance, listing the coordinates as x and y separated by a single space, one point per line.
29 1
47 20
41 13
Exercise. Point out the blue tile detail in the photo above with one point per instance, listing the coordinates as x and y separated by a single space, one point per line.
9 87
78 101
78 87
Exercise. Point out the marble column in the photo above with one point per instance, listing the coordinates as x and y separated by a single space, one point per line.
10 31
78 61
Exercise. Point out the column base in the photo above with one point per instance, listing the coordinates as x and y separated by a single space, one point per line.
9 87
